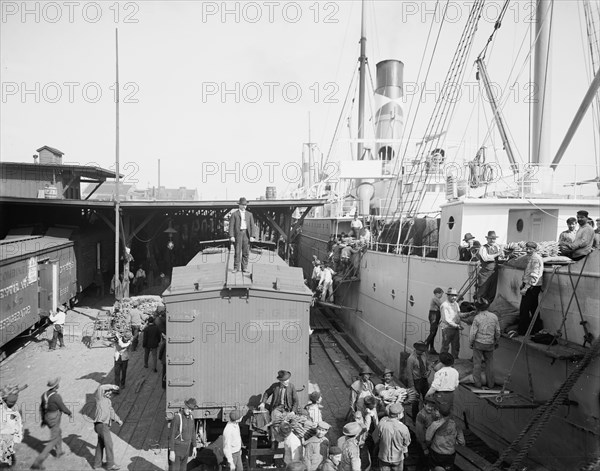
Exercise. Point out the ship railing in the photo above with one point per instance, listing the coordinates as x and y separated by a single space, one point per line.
425 251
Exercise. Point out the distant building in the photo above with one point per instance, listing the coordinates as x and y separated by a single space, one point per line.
48 177
129 192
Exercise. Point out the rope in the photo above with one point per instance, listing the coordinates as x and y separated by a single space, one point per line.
497 26
545 412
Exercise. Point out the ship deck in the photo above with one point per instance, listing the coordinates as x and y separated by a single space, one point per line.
140 444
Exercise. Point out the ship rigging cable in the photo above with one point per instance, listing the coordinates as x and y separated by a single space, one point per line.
545 412
418 175
392 188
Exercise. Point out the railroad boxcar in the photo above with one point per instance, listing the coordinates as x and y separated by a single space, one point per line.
228 333
38 274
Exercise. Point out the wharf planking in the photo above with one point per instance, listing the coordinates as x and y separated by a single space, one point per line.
140 444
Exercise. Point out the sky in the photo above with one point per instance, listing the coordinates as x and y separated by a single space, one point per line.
223 92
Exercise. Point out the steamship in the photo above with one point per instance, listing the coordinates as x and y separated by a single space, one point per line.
418 212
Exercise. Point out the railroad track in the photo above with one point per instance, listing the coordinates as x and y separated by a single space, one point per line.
346 358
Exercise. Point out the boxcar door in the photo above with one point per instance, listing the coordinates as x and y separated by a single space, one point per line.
48 287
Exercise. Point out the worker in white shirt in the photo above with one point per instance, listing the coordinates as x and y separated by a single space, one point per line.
292 445
326 283
58 324
450 323
316 274
445 381
232 441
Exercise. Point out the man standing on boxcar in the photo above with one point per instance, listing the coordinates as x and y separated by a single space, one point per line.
58 323
52 407
241 233
283 394
182 437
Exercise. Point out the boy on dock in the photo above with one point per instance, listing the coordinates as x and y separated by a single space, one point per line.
105 415
442 436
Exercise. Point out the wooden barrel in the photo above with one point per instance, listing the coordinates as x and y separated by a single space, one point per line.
271 193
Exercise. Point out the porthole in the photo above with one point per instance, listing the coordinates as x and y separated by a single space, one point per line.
520 225
450 222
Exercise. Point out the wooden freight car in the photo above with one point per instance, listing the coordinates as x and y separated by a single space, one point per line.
229 333
37 274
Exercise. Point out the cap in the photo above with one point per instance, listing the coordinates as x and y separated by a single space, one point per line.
324 425
352 429
396 409
447 358
420 346
582 212
482 304
531 245
335 450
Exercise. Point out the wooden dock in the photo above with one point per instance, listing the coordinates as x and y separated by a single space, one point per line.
140 444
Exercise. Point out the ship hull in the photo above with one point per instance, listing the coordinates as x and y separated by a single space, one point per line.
386 310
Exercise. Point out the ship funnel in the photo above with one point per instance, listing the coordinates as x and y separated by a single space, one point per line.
389 116
365 192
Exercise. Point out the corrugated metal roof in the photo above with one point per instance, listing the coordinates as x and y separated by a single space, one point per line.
210 271
15 248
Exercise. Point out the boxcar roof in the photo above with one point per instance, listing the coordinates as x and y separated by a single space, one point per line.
15 248
211 271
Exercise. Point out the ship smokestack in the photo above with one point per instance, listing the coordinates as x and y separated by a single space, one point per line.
389 121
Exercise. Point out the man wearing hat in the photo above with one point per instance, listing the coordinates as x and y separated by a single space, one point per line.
121 355
350 460
584 239
426 416
465 248
232 441
11 427
416 372
182 437
283 394
316 448
51 408
393 438
360 389
450 323
445 381
332 463
58 320
387 378
531 286
241 229
483 339
105 415
487 277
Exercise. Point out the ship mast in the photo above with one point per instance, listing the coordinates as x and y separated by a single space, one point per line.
361 85
540 133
